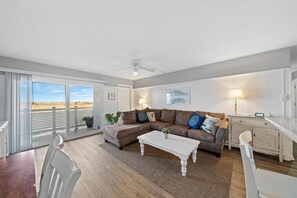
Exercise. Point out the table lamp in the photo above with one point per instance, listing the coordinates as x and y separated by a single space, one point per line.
236 94
142 101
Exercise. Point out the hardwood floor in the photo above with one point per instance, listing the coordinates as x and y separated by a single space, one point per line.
105 176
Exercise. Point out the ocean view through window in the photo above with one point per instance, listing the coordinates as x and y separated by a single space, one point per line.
59 108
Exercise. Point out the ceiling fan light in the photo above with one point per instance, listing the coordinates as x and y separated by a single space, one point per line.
135 73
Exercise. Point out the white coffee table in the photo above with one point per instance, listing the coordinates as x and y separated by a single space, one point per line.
177 145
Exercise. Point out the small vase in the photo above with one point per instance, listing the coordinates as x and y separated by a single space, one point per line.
166 135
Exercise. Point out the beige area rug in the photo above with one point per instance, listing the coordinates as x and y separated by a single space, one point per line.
208 177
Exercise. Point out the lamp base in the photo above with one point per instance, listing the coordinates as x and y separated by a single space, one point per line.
235 110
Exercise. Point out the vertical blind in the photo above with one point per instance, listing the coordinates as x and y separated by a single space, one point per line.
18 111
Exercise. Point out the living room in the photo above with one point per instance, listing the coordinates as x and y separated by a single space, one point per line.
65 65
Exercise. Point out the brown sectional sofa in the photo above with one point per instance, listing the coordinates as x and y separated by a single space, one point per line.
175 120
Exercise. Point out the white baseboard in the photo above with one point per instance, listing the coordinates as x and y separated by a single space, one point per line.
288 157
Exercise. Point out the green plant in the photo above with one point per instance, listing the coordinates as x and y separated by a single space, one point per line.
165 130
89 121
113 118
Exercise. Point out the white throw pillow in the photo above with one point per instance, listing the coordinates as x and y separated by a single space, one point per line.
120 121
209 124
151 116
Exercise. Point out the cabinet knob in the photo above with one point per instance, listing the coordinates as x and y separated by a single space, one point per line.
265 123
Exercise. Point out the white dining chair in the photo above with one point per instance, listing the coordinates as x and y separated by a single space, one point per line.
263 183
56 142
60 177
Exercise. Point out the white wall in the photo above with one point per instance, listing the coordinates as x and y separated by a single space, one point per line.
110 106
262 91
2 96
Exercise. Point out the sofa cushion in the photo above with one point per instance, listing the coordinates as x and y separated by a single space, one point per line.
196 121
158 113
151 116
178 130
201 135
129 117
159 125
210 124
142 117
183 117
215 115
119 131
168 115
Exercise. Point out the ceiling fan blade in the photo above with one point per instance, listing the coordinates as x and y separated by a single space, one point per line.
122 68
147 69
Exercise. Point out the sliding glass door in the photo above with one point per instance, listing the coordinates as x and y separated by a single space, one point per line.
81 107
66 108
48 110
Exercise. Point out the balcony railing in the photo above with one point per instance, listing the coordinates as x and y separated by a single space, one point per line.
46 121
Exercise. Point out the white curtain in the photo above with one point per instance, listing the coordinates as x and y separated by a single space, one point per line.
96 108
18 88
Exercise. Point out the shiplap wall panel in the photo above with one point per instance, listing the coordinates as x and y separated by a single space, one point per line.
262 91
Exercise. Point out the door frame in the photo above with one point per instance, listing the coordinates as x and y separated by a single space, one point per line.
130 88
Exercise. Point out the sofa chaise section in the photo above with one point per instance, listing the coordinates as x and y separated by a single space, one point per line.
121 135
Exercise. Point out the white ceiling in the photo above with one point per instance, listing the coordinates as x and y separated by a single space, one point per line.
101 36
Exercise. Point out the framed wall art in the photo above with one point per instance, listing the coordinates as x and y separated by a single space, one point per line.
178 95
111 96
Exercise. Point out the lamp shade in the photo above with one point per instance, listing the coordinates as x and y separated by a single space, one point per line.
236 94
142 101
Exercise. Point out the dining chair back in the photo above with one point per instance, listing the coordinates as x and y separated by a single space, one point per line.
60 177
260 182
248 164
57 142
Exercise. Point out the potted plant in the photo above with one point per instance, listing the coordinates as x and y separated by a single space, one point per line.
166 132
89 121
113 118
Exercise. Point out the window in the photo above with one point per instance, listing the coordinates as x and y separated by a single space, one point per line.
60 107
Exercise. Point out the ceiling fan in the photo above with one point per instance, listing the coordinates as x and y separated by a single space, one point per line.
136 66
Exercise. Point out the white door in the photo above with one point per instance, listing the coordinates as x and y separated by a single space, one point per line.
124 98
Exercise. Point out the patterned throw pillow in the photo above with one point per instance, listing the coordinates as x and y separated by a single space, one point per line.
209 124
142 117
196 121
151 116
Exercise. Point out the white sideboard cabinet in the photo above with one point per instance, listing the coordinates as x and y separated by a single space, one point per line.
266 138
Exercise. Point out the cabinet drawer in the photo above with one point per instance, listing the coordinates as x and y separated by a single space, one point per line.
240 121
265 139
237 130
261 123
252 122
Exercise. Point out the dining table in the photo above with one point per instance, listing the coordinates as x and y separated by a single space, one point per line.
17 175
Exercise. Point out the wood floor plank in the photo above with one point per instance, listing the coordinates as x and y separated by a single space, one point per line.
105 176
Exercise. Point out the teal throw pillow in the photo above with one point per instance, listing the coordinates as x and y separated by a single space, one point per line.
142 117
196 121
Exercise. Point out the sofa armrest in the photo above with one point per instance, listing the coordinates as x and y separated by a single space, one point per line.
223 123
220 136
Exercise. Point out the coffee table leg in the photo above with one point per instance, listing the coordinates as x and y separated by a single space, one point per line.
141 147
184 166
194 155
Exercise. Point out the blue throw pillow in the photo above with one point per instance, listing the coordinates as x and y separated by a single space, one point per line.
142 117
196 121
